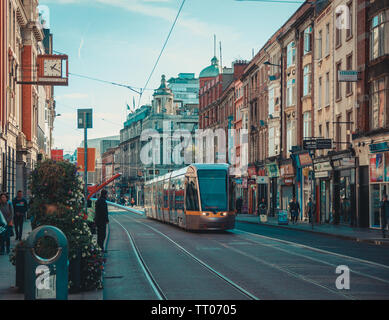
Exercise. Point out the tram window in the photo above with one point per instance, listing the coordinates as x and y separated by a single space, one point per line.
192 201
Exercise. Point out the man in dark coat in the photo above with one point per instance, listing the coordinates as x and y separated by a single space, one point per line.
294 208
20 208
101 218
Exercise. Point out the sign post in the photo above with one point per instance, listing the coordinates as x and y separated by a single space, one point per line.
85 122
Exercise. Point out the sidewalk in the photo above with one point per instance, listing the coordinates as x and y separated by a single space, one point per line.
339 231
8 291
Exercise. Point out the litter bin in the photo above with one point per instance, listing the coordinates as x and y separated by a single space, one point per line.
46 278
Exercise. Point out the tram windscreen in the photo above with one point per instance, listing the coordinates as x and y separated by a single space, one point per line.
213 190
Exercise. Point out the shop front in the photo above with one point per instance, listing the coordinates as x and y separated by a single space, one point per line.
379 184
262 185
304 182
252 190
287 176
323 174
344 189
274 195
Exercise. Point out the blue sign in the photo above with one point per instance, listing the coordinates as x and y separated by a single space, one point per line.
283 217
379 147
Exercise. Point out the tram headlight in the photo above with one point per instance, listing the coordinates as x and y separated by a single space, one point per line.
223 214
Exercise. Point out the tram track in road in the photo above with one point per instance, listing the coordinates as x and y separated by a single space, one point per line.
206 266
149 276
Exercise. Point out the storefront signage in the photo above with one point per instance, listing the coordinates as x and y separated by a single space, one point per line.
344 163
305 160
262 180
287 170
378 170
272 170
323 166
347 76
321 174
288 181
317 144
379 147
251 171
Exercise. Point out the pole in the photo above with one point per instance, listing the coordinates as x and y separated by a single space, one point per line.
85 164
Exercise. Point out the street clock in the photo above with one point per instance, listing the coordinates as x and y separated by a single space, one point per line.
52 68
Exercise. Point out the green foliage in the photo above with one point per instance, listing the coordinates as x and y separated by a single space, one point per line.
57 200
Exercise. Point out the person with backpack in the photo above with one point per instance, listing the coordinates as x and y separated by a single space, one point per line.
20 206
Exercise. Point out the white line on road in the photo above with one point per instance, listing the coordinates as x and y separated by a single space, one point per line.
237 231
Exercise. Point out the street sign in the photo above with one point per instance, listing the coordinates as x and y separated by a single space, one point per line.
348 76
85 115
317 144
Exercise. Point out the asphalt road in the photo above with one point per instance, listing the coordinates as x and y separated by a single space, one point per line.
150 260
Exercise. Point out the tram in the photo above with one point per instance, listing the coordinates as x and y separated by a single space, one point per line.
198 197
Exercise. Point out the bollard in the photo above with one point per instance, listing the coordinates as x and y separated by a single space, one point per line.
46 279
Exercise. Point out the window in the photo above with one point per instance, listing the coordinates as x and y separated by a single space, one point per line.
348 126
307 80
319 93
291 54
338 31
272 151
320 131
327 39
378 44
327 95
307 40
289 135
338 84
307 125
291 93
192 201
377 102
271 101
349 65
349 30
319 45
327 130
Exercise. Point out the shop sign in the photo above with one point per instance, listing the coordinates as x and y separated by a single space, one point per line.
305 160
287 170
379 147
347 75
377 168
288 181
272 170
251 171
323 166
261 172
262 180
321 174
344 163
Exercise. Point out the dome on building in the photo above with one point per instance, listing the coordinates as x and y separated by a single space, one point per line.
211 71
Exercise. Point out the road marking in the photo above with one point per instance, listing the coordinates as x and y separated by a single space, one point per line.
291 273
237 231
320 261
157 290
229 281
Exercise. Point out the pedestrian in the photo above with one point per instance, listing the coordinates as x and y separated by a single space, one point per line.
384 213
262 207
239 203
132 202
310 209
7 211
20 206
294 208
101 218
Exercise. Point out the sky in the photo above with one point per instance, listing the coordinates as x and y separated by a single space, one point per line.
120 40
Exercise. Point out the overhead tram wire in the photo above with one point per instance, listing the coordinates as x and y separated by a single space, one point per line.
163 48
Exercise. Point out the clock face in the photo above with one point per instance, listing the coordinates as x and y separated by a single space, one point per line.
52 68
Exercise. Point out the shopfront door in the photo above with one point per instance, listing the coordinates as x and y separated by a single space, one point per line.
376 193
325 203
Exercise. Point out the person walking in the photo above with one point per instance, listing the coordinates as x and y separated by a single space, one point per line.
239 203
132 202
20 206
7 211
384 213
311 211
101 218
294 208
